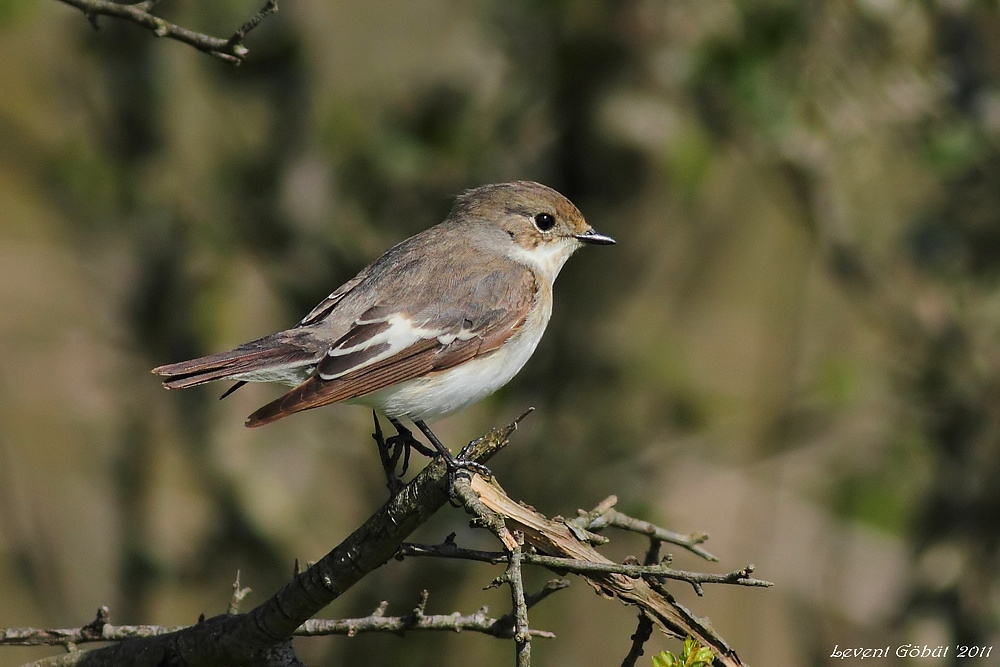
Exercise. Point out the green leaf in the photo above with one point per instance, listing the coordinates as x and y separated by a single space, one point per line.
703 657
693 655
666 659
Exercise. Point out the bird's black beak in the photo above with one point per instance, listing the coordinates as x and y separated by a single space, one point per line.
591 236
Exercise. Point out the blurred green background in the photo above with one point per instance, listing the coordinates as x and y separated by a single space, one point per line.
793 347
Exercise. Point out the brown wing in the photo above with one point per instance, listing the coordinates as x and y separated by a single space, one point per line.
467 337
324 307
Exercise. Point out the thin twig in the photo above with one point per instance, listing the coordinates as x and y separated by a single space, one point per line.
231 50
480 622
239 593
605 515
643 631
644 627
417 619
449 549
512 577
506 622
522 632
739 577
270 7
98 630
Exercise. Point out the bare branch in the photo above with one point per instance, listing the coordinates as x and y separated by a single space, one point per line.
565 549
739 577
605 515
98 630
455 622
555 538
257 635
644 628
270 7
643 631
512 577
505 624
262 636
480 621
232 50
696 579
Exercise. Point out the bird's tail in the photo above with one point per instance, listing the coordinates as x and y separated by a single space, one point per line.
312 393
275 358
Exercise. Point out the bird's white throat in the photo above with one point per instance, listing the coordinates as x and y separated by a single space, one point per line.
546 258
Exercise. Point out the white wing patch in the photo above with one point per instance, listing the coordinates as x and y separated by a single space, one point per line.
466 333
389 336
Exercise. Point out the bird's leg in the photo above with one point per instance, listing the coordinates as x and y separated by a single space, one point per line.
452 463
392 448
388 460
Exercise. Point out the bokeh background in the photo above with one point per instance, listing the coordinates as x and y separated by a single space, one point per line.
792 348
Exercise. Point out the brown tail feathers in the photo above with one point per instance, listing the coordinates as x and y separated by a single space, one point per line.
269 356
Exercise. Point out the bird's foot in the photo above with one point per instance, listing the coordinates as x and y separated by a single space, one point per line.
454 464
398 446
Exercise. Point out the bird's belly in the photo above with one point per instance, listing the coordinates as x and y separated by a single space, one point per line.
443 392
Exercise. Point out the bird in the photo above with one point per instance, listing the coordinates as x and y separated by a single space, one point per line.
436 323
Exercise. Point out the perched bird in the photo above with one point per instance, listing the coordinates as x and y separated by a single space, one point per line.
436 323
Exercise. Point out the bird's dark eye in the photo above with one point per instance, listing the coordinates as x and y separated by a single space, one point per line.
545 221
